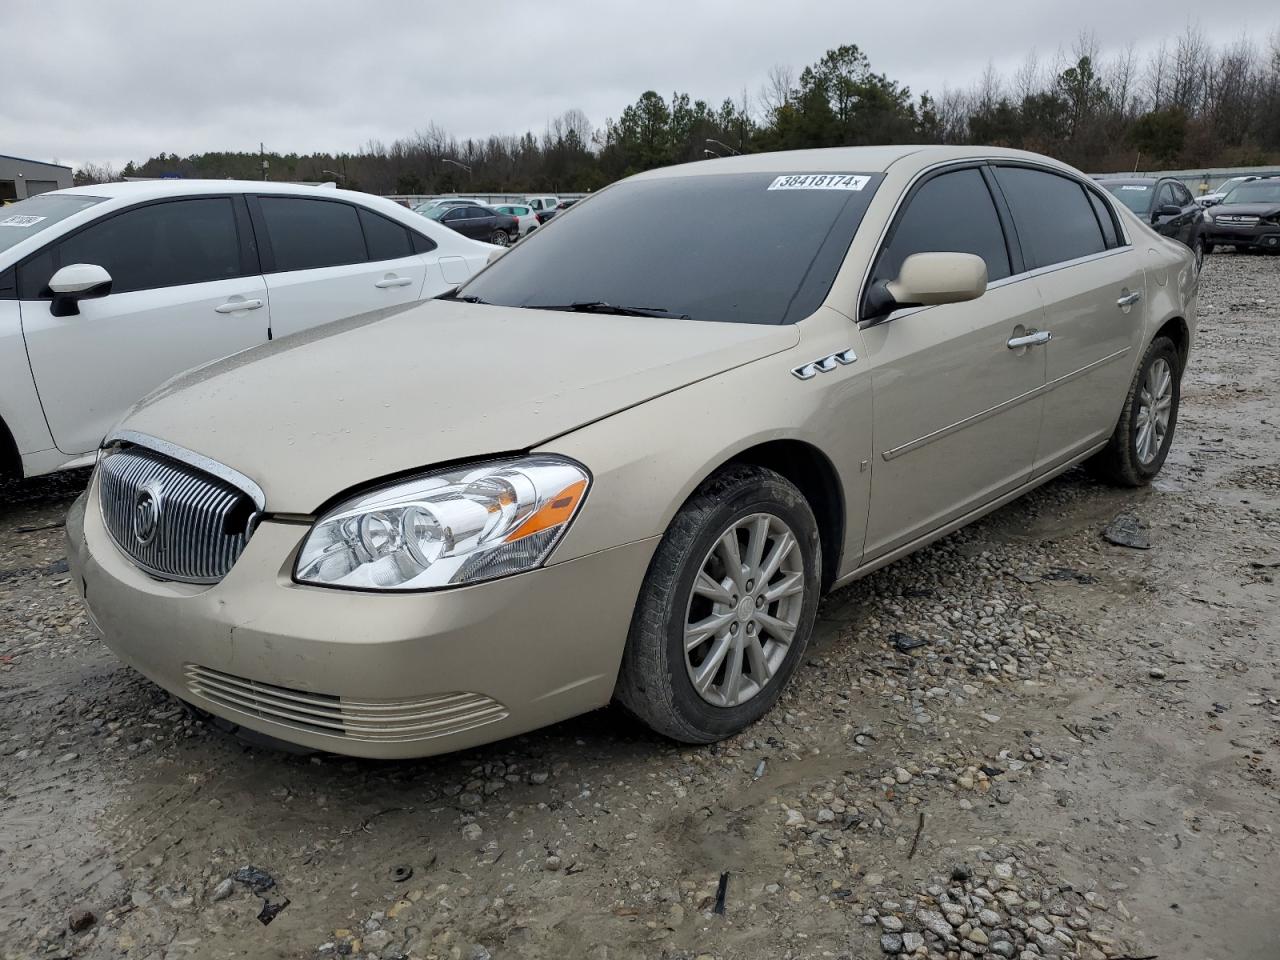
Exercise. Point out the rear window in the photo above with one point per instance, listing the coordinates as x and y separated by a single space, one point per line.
725 247
1055 220
20 220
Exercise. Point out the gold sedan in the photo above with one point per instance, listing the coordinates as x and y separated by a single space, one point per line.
623 465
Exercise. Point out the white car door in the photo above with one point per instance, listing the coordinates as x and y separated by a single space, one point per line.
184 291
328 259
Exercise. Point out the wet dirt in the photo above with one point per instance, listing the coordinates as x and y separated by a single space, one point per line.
1073 720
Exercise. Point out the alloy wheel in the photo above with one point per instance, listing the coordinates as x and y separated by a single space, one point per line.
744 609
1155 403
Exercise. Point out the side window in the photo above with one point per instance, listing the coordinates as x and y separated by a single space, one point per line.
1106 220
1181 195
387 239
312 233
421 244
1054 218
952 212
159 245
477 213
454 215
1165 195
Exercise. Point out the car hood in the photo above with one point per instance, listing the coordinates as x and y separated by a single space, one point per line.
1246 209
312 415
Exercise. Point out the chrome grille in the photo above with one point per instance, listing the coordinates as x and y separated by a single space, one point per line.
173 520
333 716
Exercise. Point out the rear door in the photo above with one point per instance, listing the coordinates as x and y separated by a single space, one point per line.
1092 283
957 411
328 259
185 290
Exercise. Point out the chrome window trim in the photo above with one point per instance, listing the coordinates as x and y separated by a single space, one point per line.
175 452
1001 407
1012 278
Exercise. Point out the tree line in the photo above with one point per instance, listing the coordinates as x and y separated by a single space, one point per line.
1188 104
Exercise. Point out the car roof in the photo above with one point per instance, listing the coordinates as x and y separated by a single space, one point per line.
159 189
850 160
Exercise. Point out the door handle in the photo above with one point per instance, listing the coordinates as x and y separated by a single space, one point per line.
234 306
1030 339
393 282
1129 299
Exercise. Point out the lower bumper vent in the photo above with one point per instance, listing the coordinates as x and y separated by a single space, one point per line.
394 721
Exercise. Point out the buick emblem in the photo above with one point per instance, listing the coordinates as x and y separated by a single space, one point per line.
146 513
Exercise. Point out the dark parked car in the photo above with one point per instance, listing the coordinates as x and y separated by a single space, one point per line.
1248 217
479 223
1165 204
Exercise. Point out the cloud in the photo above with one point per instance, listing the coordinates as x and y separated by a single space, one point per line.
120 81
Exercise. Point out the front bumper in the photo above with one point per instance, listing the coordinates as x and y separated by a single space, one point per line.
1266 235
364 674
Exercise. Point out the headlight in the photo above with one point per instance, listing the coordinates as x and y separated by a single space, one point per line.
446 528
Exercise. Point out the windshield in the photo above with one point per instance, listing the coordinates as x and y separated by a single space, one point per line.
1255 191
1228 185
435 213
26 217
1135 196
744 248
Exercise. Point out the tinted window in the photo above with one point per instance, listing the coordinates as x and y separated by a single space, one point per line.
453 214
1106 219
1181 195
387 239
1054 218
161 245
1165 195
421 244
312 233
951 213
770 259
478 212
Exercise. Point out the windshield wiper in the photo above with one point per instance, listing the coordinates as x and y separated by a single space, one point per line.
453 295
600 306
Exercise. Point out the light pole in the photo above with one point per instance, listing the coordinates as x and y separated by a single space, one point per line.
718 143
462 165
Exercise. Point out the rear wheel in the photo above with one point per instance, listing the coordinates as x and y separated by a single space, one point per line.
1142 438
726 608
501 238
1209 248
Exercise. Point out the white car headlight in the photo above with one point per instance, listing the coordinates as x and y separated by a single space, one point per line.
446 528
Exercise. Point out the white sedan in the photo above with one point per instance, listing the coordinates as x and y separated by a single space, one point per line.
107 291
523 213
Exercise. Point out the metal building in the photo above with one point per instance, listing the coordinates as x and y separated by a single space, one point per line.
21 178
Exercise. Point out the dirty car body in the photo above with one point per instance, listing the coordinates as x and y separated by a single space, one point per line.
625 469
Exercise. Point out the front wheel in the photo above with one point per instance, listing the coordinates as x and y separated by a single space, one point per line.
726 608
1142 438
1209 248
1198 251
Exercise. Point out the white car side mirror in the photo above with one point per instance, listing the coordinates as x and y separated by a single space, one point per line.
79 278
76 282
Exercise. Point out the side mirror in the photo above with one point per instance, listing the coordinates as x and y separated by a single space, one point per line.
929 279
1169 210
76 282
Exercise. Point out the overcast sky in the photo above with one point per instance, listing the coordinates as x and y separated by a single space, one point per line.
110 82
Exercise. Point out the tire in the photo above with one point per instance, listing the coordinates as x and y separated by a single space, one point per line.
500 238
1198 251
655 683
1209 248
1123 461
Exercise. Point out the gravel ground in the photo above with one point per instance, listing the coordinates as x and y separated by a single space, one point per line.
1022 742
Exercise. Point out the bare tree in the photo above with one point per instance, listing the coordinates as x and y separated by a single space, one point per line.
776 91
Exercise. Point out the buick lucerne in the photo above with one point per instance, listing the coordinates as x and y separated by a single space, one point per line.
622 467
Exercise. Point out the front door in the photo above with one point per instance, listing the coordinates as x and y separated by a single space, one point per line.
181 295
957 410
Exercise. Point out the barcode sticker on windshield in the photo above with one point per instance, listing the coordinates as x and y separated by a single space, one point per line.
1134 186
18 220
819 181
